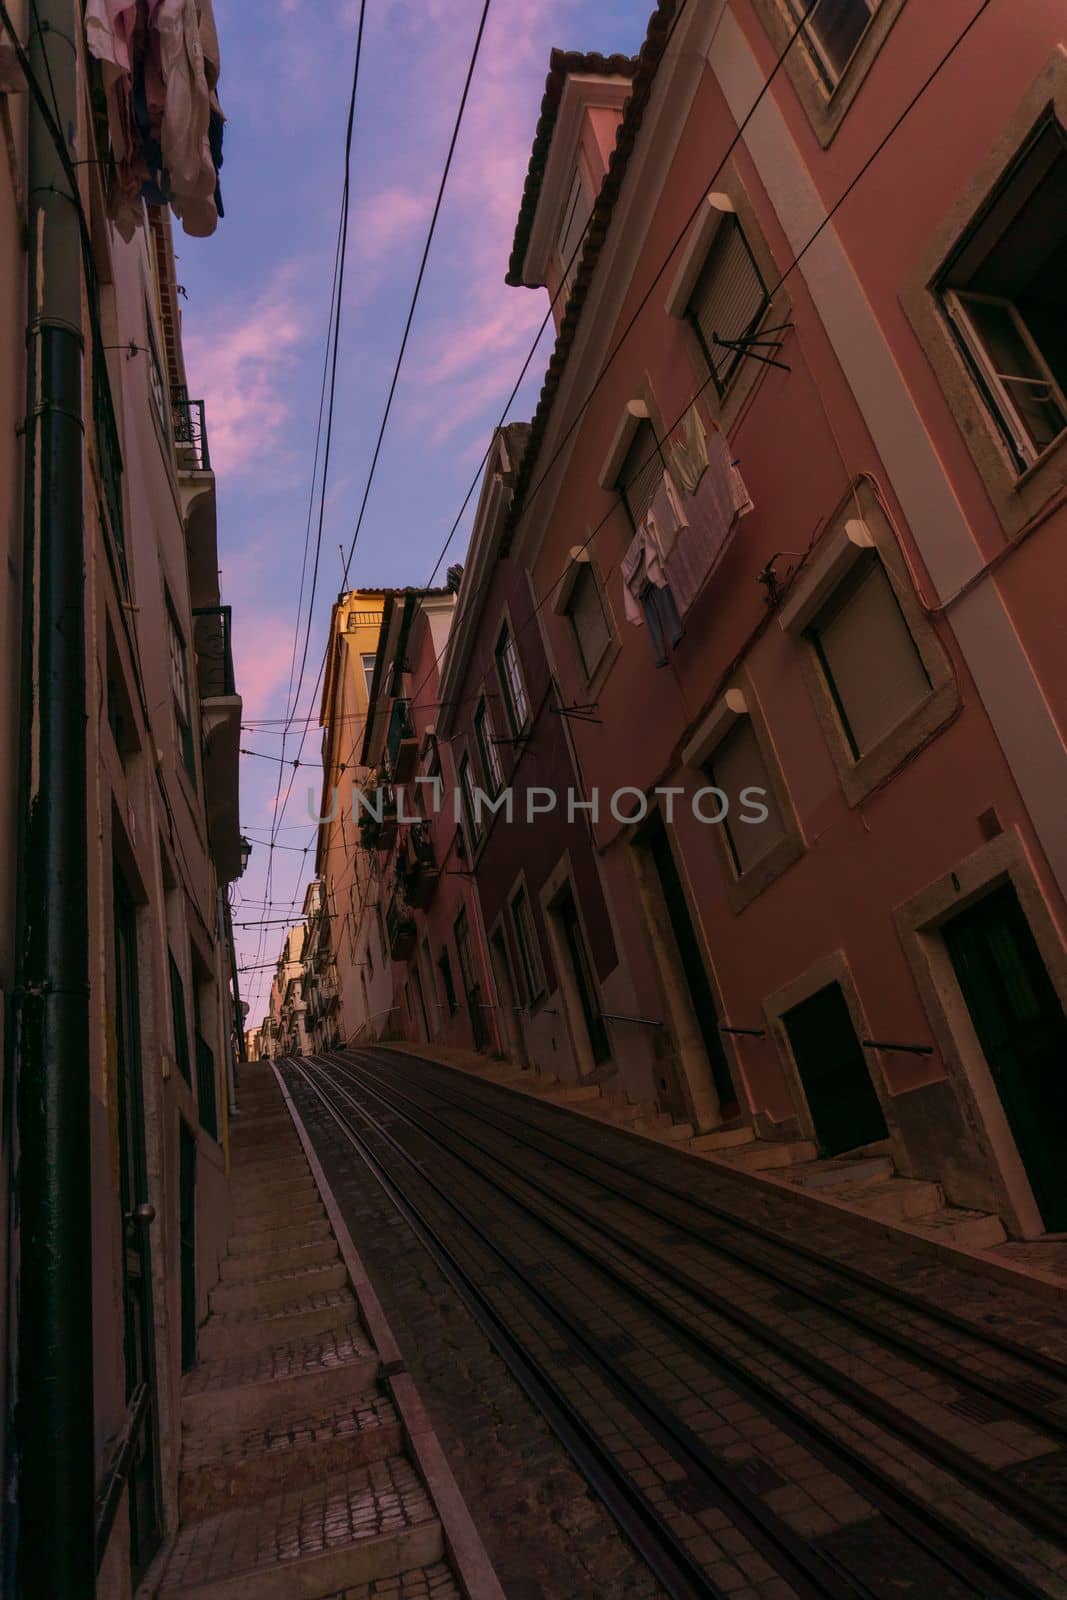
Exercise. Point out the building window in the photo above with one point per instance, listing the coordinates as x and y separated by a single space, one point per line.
155 380
873 670
368 673
511 684
487 751
738 765
179 682
576 214
833 30
589 619
526 942
728 300
445 967
1005 292
179 1019
641 472
466 783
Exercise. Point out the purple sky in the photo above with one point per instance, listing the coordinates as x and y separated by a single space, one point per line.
257 309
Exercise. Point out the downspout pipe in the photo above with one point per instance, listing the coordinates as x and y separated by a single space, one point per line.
54 1411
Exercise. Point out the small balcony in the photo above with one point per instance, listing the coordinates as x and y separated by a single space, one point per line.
220 715
400 927
401 745
190 432
419 866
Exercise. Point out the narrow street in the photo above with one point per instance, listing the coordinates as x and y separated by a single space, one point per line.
765 1408
533 800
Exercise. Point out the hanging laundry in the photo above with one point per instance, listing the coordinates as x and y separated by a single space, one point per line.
647 598
687 459
161 69
691 531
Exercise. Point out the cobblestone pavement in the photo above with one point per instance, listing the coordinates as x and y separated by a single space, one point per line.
547 1536
673 1340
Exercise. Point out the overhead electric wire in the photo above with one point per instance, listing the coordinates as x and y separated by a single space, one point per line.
330 362
404 340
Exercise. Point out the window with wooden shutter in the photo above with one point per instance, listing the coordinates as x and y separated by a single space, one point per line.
729 299
738 765
865 649
641 472
588 619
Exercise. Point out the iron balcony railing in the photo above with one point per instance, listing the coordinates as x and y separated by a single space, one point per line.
400 925
212 639
190 431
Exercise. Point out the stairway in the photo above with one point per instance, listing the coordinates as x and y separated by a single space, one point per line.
295 1484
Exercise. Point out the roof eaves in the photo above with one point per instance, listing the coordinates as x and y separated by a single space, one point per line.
562 65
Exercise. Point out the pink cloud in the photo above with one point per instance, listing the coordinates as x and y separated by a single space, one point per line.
240 365
263 647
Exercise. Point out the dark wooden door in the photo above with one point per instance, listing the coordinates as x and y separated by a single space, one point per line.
1022 1030
833 1071
187 1243
137 1215
592 1017
692 962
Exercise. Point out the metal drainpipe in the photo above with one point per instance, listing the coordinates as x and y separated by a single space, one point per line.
54 1414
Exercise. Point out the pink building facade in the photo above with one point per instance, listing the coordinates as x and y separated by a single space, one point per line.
783 538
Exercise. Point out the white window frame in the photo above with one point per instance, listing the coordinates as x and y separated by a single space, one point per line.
955 303
831 75
487 751
368 672
516 723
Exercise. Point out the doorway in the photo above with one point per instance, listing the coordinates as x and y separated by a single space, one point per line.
654 839
137 1218
845 1110
187 1243
1022 1031
566 912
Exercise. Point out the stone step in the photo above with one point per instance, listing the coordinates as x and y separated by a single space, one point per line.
252 1146
221 1472
573 1093
366 1524
265 1263
235 1333
274 1216
277 1289
253 1172
260 1196
863 1172
722 1139
675 1133
301 1377
899 1200
278 1238
765 1153
970 1230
